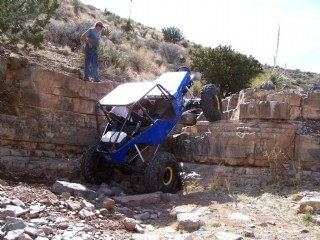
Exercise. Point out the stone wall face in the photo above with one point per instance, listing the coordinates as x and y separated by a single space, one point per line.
47 121
260 128
307 151
46 116
311 106
271 105
236 143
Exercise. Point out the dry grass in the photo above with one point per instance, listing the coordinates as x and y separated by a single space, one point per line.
278 173
65 50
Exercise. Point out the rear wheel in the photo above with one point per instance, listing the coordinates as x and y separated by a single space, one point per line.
162 173
93 168
211 102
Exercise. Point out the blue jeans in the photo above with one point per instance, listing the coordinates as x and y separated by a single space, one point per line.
91 58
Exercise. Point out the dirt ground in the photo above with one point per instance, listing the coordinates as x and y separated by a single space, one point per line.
268 213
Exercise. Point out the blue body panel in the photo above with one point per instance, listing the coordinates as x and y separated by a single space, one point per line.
175 82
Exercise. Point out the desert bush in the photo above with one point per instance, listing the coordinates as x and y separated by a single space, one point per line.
24 21
68 33
172 34
197 46
137 44
185 43
277 79
158 60
75 3
127 26
170 52
114 58
152 44
307 218
192 48
117 21
116 35
229 70
154 36
196 88
105 32
143 32
137 61
65 50
76 6
64 13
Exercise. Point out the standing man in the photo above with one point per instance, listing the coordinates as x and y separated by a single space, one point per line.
92 39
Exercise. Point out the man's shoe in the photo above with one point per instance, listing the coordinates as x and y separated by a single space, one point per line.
86 79
97 81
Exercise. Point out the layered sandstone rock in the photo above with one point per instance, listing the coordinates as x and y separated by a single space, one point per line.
47 121
236 143
45 117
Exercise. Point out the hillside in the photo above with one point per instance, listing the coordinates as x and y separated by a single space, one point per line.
136 55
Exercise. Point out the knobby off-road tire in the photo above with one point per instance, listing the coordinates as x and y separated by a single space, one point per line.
211 102
162 173
183 68
93 168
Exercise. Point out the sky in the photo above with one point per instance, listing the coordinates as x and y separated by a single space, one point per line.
250 27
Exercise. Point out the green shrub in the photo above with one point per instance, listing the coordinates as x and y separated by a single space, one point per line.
75 3
117 21
105 32
127 26
111 17
114 58
196 88
277 79
172 34
307 218
229 70
154 36
24 21
123 66
143 33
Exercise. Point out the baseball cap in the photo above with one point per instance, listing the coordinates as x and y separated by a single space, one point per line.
99 23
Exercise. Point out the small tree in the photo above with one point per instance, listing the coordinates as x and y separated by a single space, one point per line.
172 34
229 70
22 20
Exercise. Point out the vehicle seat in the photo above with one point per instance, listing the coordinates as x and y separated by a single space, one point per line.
111 137
116 117
145 121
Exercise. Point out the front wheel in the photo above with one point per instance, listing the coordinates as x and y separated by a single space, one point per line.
162 173
93 168
211 102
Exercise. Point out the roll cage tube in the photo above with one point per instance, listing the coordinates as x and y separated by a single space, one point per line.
164 94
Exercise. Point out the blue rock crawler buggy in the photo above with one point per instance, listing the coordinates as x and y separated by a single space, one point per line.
141 115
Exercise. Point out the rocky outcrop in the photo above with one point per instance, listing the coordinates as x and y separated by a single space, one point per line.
272 105
47 121
260 128
236 143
